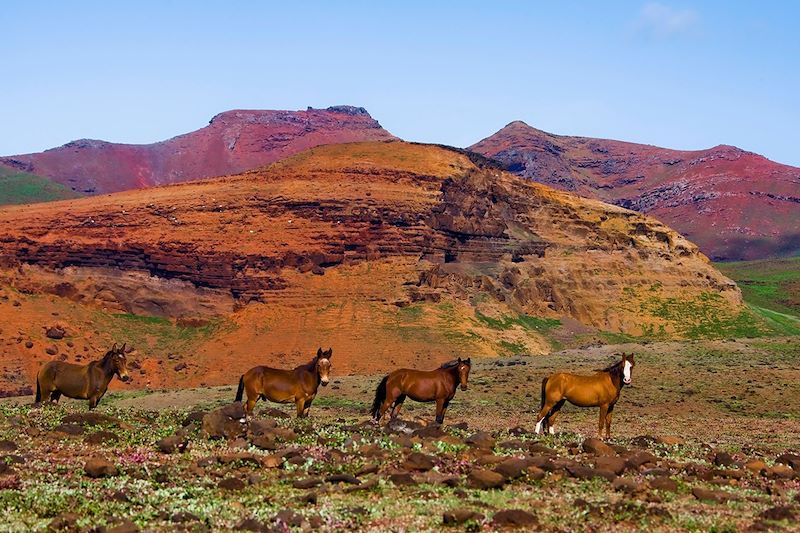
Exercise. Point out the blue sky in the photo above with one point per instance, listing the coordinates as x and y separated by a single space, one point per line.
678 74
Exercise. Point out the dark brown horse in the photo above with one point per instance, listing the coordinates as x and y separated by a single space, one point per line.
82 382
422 386
283 386
600 390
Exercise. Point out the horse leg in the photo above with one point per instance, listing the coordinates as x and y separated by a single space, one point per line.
602 423
55 396
250 405
307 406
550 420
391 398
608 420
440 407
398 403
93 401
541 418
300 402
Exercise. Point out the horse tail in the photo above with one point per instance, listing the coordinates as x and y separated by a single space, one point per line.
38 391
544 392
380 396
240 390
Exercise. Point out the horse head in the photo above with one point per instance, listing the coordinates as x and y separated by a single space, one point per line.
627 367
118 361
324 365
464 366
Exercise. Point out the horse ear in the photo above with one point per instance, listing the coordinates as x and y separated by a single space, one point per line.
459 359
469 361
329 353
122 350
114 348
319 352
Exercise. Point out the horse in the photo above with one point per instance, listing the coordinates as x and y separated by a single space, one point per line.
284 386
81 382
422 386
600 390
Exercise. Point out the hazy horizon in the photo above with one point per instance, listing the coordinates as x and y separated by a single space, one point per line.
682 75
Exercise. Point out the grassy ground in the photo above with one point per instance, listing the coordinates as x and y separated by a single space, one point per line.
736 396
24 188
772 284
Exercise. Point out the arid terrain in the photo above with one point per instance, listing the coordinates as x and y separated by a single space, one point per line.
705 439
394 253
734 204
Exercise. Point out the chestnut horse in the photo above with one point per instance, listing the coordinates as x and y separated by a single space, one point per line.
600 390
283 386
82 382
422 386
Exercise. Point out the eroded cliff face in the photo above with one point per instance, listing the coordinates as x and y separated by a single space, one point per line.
441 226
734 204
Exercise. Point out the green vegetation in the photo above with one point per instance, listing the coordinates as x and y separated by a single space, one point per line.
772 284
531 323
23 188
160 333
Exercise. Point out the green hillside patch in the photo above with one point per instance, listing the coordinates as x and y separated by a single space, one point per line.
771 284
24 188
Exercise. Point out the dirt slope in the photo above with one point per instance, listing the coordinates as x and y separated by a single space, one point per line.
233 141
392 253
733 204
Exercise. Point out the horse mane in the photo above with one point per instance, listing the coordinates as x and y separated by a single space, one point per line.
450 364
616 368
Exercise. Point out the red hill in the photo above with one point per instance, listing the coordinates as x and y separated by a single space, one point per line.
232 142
732 203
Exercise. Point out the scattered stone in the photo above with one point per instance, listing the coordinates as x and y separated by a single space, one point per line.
433 431
534 473
780 512
585 472
625 484
51 350
101 437
250 524
172 444
514 518
262 426
7 445
98 467
480 478
481 439
756 466
195 417
723 459
640 458
55 332
417 461
231 483
716 496
459 516
289 518
343 478
28 344
367 485
226 422
614 464
309 498
307 483
512 468
402 478
180 366
780 471
790 459
93 418
670 440
597 447
664 483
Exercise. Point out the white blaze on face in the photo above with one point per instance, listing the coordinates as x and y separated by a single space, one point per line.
626 372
